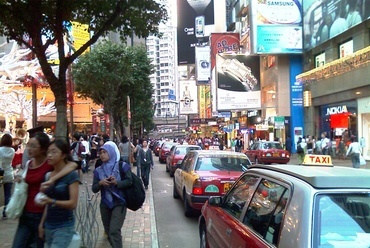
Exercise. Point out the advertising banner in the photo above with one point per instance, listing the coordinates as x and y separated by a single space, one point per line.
324 20
238 82
277 26
202 101
220 43
188 97
195 22
203 64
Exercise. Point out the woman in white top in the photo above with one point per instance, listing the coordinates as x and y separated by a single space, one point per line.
6 157
354 150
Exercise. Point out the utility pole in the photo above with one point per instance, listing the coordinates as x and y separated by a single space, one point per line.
129 124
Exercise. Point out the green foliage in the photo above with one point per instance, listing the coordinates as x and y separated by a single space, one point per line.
38 24
110 73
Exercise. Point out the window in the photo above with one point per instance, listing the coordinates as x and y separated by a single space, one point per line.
346 49
266 210
320 59
342 218
239 195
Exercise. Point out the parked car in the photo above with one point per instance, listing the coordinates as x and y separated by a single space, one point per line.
157 147
177 153
164 151
291 206
206 173
267 152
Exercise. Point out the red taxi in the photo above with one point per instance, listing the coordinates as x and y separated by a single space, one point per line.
310 205
164 151
177 153
267 152
206 173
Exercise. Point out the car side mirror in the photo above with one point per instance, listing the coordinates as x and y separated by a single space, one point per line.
215 201
178 164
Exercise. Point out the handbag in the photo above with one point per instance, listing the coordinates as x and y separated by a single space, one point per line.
15 207
362 160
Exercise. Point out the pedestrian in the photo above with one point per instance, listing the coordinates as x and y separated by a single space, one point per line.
76 152
233 143
354 151
238 144
6 157
108 180
310 144
145 161
221 144
325 144
27 231
300 150
58 223
363 145
139 143
126 148
288 145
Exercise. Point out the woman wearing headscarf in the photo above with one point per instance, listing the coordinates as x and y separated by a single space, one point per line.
108 180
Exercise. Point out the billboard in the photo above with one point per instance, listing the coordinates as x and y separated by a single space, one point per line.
238 82
324 20
203 64
188 97
277 26
220 43
195 22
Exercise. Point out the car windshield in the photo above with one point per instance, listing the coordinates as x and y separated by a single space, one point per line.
185 150
342 218
271 146
222 163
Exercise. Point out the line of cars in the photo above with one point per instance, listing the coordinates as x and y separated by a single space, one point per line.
245 205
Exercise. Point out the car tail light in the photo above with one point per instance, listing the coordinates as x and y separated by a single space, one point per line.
197 187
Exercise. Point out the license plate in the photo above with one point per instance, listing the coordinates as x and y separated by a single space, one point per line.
276 154
227 186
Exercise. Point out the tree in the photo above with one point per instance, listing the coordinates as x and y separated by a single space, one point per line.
39 24
110 73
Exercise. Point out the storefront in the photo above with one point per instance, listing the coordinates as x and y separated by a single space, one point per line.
364 123
336 118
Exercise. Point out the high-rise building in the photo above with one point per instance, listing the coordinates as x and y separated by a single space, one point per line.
161 50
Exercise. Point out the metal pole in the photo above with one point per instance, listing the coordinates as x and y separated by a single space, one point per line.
129 124
34 104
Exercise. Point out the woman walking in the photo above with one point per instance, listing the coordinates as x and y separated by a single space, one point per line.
125 149
6 157
58 220
27 230
108 180
145 161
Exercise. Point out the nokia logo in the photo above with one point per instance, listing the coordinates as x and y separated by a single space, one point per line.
336 110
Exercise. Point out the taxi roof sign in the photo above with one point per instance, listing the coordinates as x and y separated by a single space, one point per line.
317 160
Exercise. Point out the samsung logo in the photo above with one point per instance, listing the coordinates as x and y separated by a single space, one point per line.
280 3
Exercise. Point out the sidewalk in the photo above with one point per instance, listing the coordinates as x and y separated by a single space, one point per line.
138 231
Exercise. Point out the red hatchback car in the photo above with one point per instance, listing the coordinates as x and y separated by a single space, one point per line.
267 152
164 151
177 153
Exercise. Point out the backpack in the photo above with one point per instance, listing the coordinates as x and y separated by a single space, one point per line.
77 151
299 148
135 195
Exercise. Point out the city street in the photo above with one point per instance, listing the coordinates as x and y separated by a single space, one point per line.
174 229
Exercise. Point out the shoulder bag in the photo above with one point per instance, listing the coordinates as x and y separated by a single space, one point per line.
15 207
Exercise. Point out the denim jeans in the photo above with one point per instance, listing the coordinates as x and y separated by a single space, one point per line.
355 158
59 237
7 195
27 231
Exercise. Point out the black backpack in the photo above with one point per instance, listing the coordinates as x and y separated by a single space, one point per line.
299 148
135 195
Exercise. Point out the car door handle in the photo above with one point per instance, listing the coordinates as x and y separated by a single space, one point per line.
228 232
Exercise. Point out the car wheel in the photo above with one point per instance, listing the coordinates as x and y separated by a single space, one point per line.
188 208
203 236
175 193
